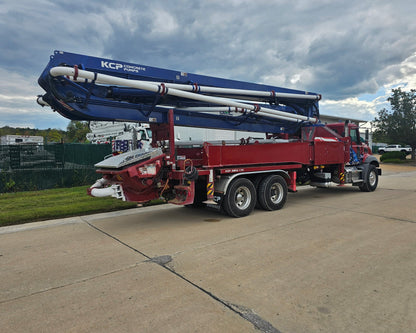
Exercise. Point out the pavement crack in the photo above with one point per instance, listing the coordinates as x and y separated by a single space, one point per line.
117 240
69 284
163 261
388 217
266 230
258 322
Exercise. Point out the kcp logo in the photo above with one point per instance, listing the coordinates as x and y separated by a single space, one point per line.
111 65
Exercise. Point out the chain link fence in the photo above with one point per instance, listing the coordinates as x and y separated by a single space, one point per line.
33 167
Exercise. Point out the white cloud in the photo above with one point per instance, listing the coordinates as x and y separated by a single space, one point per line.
403 74
16 97
366 107
351 107
18 107
163 23
342 50
14 84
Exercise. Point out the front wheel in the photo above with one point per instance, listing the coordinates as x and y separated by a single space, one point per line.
240 198
371 180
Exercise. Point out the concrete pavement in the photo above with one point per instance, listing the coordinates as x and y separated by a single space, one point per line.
332 260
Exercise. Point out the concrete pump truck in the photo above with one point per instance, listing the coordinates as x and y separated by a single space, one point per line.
234 175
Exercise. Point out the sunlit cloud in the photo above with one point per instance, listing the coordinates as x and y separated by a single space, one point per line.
353 55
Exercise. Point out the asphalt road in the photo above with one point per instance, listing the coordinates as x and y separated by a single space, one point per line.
332 260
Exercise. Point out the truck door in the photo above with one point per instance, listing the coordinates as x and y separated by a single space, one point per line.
355 142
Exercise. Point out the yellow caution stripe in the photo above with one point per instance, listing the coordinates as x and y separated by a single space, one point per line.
210 189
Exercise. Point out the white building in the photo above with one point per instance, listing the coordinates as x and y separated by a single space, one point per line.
102 131
205 134
22 140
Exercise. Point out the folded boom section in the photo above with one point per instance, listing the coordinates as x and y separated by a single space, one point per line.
88 88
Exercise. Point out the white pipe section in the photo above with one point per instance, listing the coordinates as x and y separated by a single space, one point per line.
231 91
103 192
41 101
211 109
161 88
228 91
231 109
100 183
253 95
100 189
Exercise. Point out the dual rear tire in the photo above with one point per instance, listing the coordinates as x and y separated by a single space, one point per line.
272 192
241 196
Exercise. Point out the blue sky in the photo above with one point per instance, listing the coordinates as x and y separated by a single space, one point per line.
352 52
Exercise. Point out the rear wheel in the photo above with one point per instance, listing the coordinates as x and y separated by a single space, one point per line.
256 181
272 192
240 198
371 180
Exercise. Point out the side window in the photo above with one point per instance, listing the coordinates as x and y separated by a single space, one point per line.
142 135
354 136
149 133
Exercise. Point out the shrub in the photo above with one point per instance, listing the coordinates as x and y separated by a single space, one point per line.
393 155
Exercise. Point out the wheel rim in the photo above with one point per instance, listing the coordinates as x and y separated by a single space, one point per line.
276 193
372 178
242 197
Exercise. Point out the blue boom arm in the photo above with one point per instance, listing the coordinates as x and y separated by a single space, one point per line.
103 89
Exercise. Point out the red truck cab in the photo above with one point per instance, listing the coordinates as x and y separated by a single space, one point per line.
361 149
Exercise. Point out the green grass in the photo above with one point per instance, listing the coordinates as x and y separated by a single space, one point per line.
22 207
397 161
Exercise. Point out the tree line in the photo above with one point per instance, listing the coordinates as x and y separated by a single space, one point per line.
75 132
394 125
398 124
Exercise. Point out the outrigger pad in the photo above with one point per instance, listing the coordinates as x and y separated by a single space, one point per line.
128 158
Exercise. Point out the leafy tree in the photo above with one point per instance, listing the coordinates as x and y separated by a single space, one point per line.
77 130
51 135
398 125
54 136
